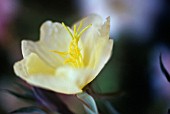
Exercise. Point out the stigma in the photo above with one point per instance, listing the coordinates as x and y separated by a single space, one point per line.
73 54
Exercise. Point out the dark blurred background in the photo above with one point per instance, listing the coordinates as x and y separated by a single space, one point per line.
140 29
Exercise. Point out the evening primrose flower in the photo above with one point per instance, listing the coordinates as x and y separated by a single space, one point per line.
66 59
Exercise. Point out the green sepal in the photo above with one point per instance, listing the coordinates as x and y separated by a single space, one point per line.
88 103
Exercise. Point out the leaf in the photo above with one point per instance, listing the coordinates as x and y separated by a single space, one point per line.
88 103
165 72
89 89
22 96
31 109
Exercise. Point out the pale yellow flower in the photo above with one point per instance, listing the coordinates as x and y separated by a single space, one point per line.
66 59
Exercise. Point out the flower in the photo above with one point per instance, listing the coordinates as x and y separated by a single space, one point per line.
66 59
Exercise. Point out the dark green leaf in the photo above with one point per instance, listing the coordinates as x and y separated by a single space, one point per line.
111 95
31 109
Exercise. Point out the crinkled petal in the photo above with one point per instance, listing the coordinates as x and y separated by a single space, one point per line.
65 79
103 56
55 36
98 48
42 50
91 41
20 69
105 28
32 65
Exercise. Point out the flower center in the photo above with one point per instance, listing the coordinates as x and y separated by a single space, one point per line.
73 54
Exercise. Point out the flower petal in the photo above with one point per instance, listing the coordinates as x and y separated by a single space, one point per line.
100 57
54 83
20 69
98 48
91 41
42 50
105 28
103 57
35 65
64 79
93 19
32 65
55 36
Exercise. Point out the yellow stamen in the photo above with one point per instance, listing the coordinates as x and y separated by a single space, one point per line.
84 30
67 29
80 25
73 54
